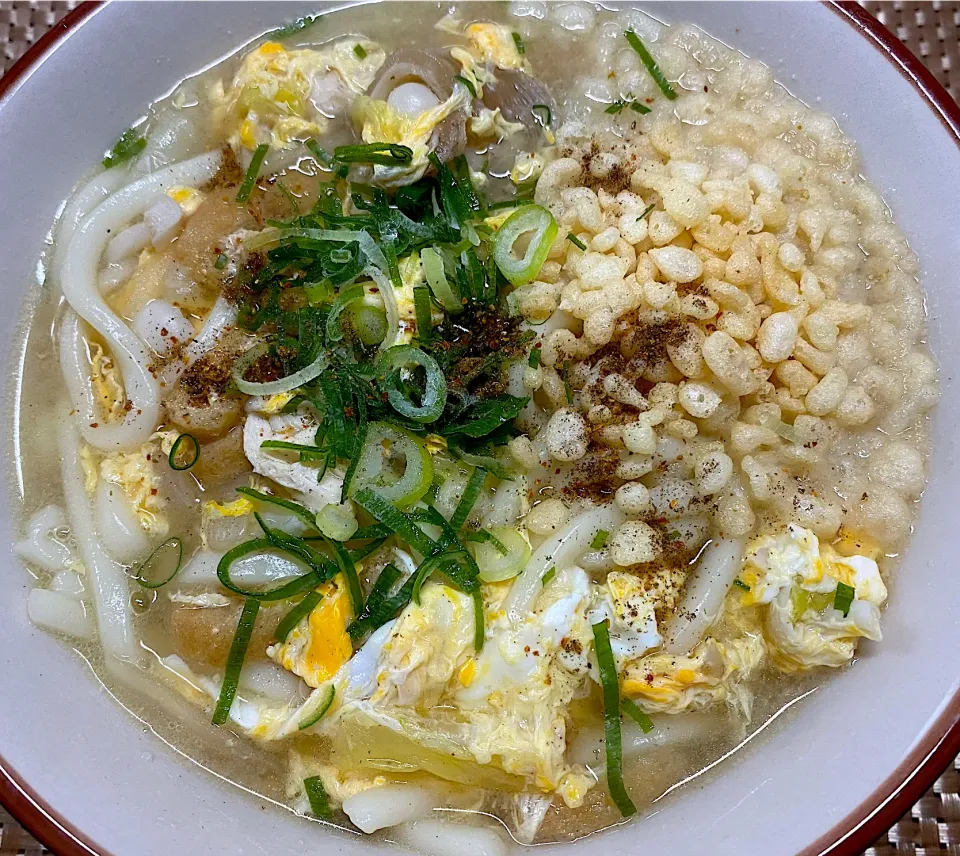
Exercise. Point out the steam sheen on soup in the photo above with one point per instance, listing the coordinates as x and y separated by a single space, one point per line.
420 420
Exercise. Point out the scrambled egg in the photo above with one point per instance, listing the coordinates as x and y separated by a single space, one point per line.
279 96
527 168
494 44
490 124
712 672
139 474
794 579
302 478
380 122
319 645
107 385
188 198
419 694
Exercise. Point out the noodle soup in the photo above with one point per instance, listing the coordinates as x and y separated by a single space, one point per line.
435 426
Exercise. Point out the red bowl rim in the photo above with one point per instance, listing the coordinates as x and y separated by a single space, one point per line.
931 754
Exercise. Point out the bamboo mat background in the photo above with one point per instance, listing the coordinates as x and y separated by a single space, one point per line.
932 31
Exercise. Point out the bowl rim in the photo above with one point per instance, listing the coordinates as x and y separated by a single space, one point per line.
931 753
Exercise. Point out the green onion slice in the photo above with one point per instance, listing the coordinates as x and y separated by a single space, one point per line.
496 566
320 571
184 452
599 540
542 114
238 652
573 239
359 51
384 511
470 494
402 358
529 218
373 471
631 709
316 706
221 261
479 629
369 322
349 570
161 566
382 154
436 276
843 598
547 578
317 797
637 107
301 511
273 387
346 297
421 307
467 85
534 359
252 172
647 210
296 615
740 584
518 41
129 145
651 64
611 719
381 606
320 155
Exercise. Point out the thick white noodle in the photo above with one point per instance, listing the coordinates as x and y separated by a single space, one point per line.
107 579
560 550
441 838
80 205
703 596
390 805
222 316
79 282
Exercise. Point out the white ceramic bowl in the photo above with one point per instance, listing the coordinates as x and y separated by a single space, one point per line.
838 769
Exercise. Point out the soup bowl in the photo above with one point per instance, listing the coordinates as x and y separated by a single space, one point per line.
828 774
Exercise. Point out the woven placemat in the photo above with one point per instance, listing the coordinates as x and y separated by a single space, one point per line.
932 31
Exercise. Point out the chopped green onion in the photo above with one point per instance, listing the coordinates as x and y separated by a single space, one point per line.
221 261
421 308
349 571
296 615
567 389
547 119
573 239
547 578
304 453
253 171
650 64
479 633
437 562
154 571
301 511
382 154
467 85
320 155
191 454
316 706
530 218
347 296
616 107
294 27
518 41
238 652
647 210
740 584
599 540
371 471
291 199
129 145
843 599
469 498
631 709
337 521
497 565
384 511
517 201
613 740
436 276
369 322
401 358
320 571
381 606
317 797
535 354
637 107
359 51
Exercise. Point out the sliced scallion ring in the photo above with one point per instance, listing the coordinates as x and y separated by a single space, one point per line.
369 322
436 276
372 471
238 653
184 452
495 567
273 387
401 358
346 297
316 706
161 566
528 219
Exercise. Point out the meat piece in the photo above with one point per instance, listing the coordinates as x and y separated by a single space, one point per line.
203 635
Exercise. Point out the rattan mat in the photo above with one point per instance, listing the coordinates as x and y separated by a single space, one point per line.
932 31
